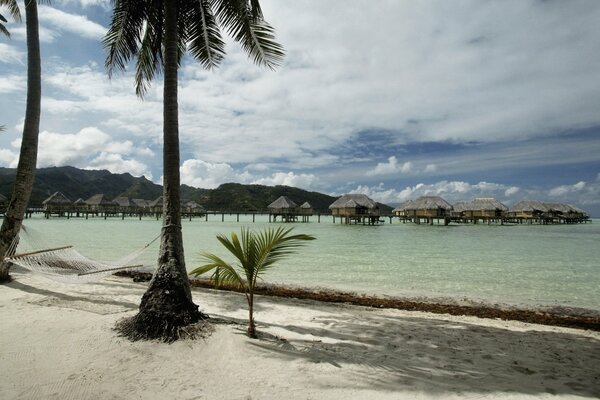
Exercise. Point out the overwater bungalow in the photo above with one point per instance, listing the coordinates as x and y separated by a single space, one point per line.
124 204
192 208
100 204
284 207
140 205
486 209
564 213
57 204
528 210
358 208
428 208
156 206
306 211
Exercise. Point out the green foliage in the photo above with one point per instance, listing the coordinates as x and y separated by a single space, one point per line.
256 253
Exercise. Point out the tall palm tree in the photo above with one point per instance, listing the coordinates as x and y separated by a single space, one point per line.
256 253
157 33
17 206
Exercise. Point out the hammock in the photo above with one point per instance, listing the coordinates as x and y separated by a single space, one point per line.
65 264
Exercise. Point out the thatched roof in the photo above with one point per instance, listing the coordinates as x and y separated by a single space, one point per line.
563 208
403 206
460 206
99 200
123 201
158 202
283 202
79 202
306 205
192 205
353 201
484 203
428 203
140 203
529 205
57 198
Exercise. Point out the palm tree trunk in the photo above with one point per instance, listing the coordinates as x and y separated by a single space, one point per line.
25 176
167 304
251 325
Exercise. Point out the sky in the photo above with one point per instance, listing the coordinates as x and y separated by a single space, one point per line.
393 99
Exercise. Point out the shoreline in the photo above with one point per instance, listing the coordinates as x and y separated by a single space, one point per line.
63 335
550 317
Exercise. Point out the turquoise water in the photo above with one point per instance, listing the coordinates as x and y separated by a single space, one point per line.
531 265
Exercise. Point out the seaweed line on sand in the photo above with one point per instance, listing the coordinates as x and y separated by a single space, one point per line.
553 317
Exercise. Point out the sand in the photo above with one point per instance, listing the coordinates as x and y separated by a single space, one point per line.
57 342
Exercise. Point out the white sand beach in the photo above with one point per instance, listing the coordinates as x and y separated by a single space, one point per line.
57 342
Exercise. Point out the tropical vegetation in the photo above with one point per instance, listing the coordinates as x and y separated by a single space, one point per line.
157 34
256 253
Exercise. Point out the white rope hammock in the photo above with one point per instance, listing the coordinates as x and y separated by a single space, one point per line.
65 264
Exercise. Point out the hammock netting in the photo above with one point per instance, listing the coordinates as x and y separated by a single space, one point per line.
65 264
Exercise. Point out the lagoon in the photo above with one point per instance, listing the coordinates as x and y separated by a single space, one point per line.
523 265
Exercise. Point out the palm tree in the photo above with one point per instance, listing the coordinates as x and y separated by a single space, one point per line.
256 253
17 206
157 33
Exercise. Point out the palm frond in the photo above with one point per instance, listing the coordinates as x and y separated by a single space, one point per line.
245 24
205 41
13 9
150 57
224 273
122 41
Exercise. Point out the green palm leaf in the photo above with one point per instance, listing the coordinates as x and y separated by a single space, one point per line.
256 253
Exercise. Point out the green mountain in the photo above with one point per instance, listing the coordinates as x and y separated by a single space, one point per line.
79 183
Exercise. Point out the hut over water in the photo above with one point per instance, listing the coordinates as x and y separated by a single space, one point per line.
306 210
284 207
427 208
482 208
57 203
528 209
357 208
99 203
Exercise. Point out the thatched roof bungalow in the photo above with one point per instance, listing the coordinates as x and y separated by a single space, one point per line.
428 207
56 202
191 207
483 207
140 204
528 209
123 203
101 203
306 208
564 211
283 205
357 208
156 206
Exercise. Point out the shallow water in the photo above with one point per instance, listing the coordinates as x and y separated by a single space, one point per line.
531 265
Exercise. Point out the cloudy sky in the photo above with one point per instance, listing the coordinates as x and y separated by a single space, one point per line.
395 99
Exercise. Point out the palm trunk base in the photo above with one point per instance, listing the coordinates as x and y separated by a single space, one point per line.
4 272
165 312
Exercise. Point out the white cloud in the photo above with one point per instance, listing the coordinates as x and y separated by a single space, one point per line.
12 84
11 55
78 24
202 174
391 167
452 191
430 168
566 189
8 158
117 164
304 181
